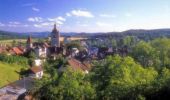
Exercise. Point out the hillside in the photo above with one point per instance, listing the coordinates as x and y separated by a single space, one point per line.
8 73
140 33
9 35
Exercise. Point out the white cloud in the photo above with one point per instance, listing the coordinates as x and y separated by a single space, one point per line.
80 13
1 24
31 19
128 14
16 23
68 14
40 22
35 9
37 25
35 19
12 25
61 18
56 19
47 24
59 22
107 16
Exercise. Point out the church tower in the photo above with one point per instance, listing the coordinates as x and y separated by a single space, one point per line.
55 37
29 43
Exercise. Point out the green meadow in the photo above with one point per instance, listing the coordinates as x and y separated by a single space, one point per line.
8 73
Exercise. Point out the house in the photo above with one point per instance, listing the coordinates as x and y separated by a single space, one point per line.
110 50
41 51
38 62
76 65
17 51
74 52
36 72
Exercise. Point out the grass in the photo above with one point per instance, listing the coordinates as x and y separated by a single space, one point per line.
8 73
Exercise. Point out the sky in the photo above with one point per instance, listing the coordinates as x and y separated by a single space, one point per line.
83 15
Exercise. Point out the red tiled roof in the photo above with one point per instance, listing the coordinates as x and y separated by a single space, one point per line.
36 69
17 51
77 65
21 48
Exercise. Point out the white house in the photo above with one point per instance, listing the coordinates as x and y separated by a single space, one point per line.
41 51
38 62
36 72
74 52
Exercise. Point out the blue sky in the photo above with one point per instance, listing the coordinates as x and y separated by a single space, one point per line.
83 15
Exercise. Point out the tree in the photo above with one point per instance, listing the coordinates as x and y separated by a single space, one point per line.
14 42
145 54
113 42
162 45
74 45
118 78
32 57
69 84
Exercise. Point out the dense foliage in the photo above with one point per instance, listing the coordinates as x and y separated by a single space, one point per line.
118 77
11 59
69 84
155 53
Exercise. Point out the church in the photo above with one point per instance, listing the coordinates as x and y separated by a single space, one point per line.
44 49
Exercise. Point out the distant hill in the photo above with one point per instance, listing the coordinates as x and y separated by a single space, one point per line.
8 35
141 34
138 33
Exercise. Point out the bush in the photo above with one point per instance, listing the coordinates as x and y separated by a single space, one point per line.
14 59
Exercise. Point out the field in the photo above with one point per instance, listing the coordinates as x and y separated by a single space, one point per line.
11 41
72 38
8 73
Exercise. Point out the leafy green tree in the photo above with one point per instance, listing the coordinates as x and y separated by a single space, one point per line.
145 54
162 45
14 43
32 57
68 85
118 78
113 42
74 45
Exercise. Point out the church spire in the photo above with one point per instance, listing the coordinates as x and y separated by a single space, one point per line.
55 37
29 42
55 26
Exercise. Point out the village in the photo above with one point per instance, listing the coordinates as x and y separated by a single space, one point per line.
77 59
